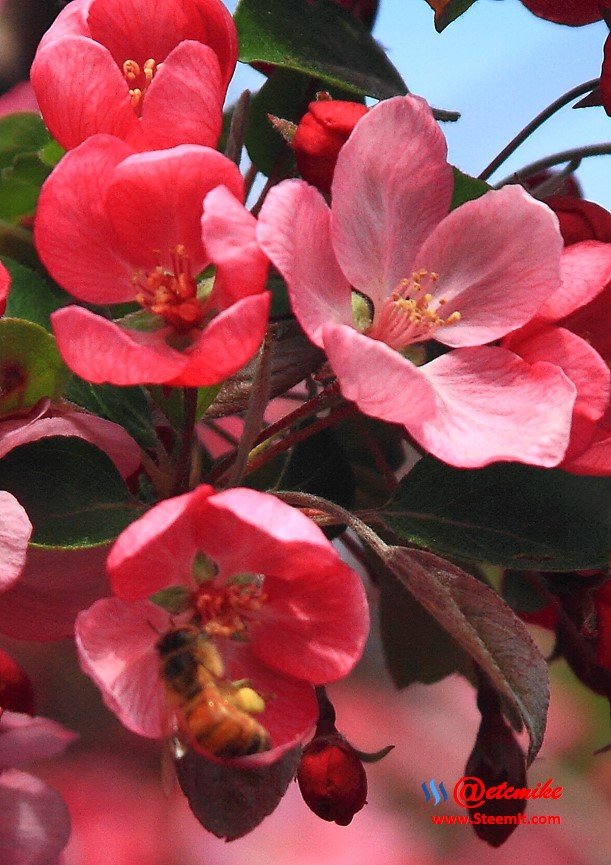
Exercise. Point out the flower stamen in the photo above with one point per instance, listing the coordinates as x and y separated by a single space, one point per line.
171 294
228 611
411 313
138 80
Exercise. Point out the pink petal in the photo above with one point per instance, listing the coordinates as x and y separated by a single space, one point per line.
5 284
71 21
291 708
76 71
492 406
108 436
184 103
34 820
24 739
227 343
54 586
391 187
15 532
498 259
157 550
73 235
116 646
101 351
294 231
595 459
155 200
585 269
315 621
585 368
377 378
229 235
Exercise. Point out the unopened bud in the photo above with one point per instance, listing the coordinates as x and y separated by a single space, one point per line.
16 693
320 135
332 779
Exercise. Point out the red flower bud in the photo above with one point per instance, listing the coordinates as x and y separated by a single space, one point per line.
580 220
16 694
320 135
332 779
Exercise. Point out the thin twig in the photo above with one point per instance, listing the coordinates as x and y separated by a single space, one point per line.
183 463
534 124
577 153
257 403
237 128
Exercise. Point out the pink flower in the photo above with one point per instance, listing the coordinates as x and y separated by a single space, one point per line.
572 330
257 577
5 284
42 589
34 820
18 98
154 74
572 12
386 269
113 226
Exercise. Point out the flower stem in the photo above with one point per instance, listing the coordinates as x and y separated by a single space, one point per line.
576 154
183 463
257 403
237 128
534 124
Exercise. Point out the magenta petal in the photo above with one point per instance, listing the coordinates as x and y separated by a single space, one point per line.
81 91
227 343
157 550
5 284
585 368
391 187
34 820
15 531
230 239
585 269
54 587
116 646
294 231
498 259
155 201
101 351
291 708
73 235
108 436
24 739
377 378
184 103
595 459
492 406
71 21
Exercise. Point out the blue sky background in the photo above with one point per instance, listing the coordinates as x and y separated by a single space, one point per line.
498 65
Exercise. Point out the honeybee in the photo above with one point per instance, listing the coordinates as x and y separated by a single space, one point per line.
214 712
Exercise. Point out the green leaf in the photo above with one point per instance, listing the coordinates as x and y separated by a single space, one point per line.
485 628
21 133
72 491
32 297
466 188
450 10
30 365
18 243
319 39
319 466
127 406
285 94
507 514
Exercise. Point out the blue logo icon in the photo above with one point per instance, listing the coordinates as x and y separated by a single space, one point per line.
434 793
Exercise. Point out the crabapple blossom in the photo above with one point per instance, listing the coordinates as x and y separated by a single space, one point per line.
571 330
154 74
257 577
386 268
115 226
572 12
